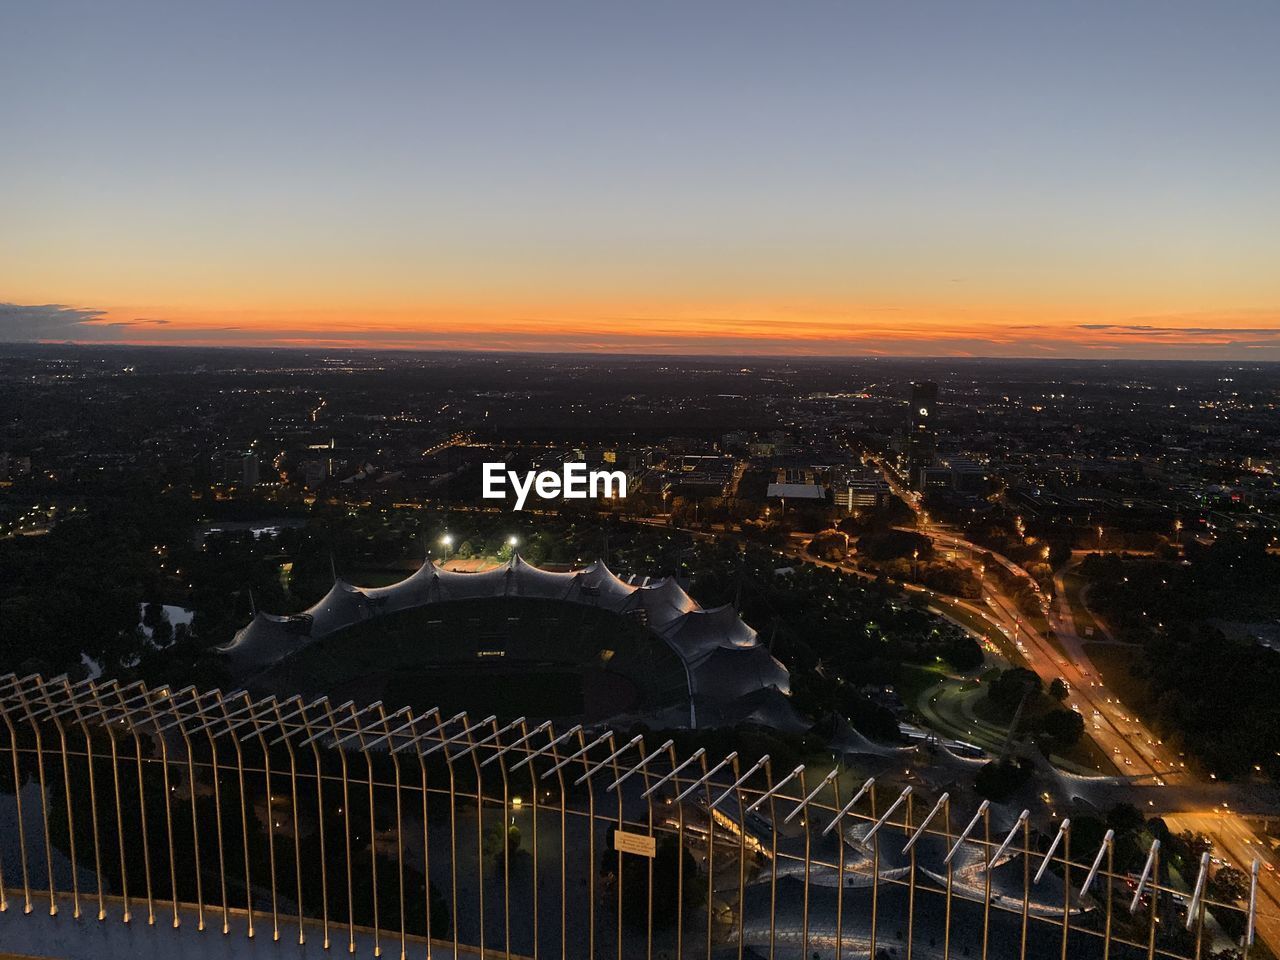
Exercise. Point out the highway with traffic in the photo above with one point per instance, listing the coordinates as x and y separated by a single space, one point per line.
1136 751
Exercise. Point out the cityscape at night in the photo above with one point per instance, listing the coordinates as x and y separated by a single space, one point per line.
575 481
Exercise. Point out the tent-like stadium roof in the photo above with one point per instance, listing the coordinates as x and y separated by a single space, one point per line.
723 657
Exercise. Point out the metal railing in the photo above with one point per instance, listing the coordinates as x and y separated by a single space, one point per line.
450 835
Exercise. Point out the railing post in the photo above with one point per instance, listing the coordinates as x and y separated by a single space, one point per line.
93 806
17 800
217 807
168 805
346 832
180 721
311 738
395 761
296 813
142 807
66 796
44 799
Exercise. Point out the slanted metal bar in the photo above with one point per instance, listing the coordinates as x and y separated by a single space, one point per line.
520 741
1252 917
1198 892
773 791
268 706
937 808
853 802
437 729
226 715
611 758
733 755
281 718
740 781
1008 841
1146 875
340 728
202 709
447 741
67 694
812 793
674 772
91 695
964 834
359 731
545 747
515 743
580 753
638 767
1053 848
1107 839
121 705
875 828
483 741
305 723
12 682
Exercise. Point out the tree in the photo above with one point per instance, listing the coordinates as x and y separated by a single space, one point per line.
999 779
1228 885
829 545
1125 818
963 652
669 862
1058 689
1011 686
1064 728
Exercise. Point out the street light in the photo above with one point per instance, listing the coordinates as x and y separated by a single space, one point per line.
513 541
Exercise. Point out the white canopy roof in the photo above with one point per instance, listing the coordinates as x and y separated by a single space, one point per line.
723 657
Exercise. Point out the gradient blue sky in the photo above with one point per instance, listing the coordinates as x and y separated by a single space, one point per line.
946 177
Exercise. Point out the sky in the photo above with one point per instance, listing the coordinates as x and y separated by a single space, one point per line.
1085 179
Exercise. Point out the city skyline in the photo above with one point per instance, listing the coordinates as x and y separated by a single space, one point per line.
845 179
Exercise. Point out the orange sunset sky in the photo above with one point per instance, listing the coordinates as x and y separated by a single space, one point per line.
831 178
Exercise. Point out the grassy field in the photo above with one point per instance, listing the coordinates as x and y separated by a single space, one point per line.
507 656
1085 625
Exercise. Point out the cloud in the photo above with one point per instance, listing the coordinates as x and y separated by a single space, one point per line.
1146 329
47 321
56 321
137 322
873 331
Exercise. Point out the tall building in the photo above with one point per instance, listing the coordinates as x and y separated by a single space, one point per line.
921 427
236 468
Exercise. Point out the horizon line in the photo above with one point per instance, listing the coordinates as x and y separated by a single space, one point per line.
605 354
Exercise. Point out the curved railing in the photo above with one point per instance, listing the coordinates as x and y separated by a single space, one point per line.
380 829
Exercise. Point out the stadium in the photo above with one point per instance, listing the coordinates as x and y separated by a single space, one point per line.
606 647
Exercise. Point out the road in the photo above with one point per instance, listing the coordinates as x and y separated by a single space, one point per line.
1132 745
